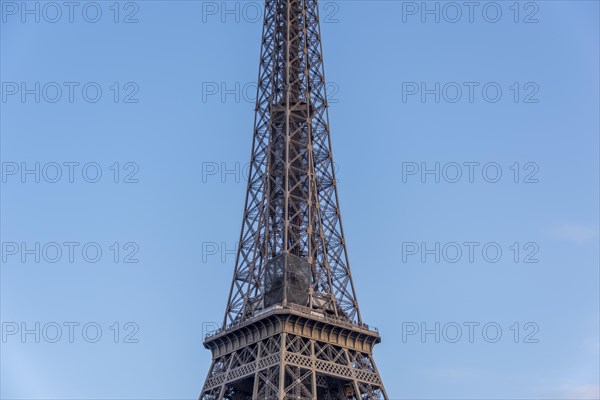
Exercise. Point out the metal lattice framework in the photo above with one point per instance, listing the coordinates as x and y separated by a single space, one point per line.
292 259
289 355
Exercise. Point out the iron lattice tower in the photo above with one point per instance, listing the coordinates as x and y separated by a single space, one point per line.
292 327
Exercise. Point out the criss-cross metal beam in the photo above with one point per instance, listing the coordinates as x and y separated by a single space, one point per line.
292 203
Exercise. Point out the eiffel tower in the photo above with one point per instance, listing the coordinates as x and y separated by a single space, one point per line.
292 326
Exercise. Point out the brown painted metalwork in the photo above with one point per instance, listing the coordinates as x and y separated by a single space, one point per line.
292 327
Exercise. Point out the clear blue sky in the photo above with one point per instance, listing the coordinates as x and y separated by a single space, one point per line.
377 53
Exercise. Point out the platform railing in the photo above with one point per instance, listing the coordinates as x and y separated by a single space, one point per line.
296 307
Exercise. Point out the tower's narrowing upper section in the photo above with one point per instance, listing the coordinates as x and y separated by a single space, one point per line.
292 248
